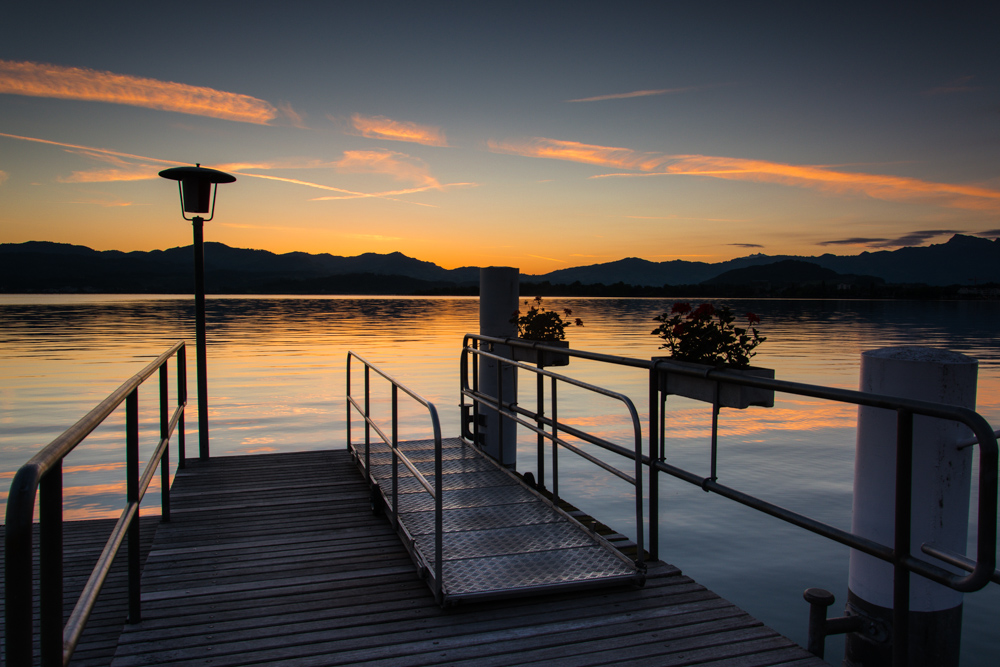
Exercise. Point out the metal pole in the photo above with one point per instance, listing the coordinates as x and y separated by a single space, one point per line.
51 565
132 498
199 314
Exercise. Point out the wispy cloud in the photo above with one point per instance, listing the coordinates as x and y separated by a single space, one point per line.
911 239
575 151
989 233
3 176
399 166
637 93
130 167
817 177
959 85
548 259
380 127
80 83
746 245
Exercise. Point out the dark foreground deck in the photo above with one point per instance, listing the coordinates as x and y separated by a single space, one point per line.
278 559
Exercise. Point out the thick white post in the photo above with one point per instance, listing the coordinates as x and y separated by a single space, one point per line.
941 483
498 296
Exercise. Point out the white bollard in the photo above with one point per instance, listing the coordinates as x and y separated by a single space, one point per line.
498 299
940 511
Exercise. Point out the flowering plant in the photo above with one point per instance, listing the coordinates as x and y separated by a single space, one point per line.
708 336
541 324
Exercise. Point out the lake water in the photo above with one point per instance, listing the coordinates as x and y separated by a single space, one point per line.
277 376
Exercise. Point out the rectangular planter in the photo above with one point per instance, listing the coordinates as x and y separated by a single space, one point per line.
542 358
703 389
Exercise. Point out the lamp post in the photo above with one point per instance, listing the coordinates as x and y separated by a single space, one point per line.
198 196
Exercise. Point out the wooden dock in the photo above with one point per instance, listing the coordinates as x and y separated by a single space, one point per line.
278 559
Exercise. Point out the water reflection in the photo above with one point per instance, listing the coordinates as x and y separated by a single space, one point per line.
276 380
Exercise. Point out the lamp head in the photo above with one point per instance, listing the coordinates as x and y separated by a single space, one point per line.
195 184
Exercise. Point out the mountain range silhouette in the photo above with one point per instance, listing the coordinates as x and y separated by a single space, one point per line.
38 266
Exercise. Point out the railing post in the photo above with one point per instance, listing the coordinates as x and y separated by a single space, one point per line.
654 476
181 400
19 568
368 428
51 565
164 434
395 460
348 401
132 497
555 445
540 413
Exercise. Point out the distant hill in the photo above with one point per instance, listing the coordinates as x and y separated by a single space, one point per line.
962 260
789 271
60 267
38 266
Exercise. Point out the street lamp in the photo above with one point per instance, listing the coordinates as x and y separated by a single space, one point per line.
198 196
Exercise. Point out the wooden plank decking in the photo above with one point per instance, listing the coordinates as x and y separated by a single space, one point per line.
277 559
83 542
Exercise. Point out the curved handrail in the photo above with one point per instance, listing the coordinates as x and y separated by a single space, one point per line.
983 570
43 472
393 441
512 411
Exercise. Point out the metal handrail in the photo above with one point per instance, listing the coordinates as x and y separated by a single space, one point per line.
514 412
43 474
981 571
397 455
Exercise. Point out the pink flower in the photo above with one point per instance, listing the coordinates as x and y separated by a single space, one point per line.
753 318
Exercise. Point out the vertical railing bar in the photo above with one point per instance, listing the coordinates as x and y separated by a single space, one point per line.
663 426
348 401
655 438
50 547
477 436
555 445
500 418
164 434
715 433
438 510
540 408
901 543
395 459
368 428
181 400
639 528
132 496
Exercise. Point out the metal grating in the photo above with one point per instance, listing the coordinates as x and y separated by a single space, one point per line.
500 538
505 574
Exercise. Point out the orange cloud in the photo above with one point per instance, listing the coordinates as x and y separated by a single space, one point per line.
380 127
3 176
400 166
819 177
80 83
574 151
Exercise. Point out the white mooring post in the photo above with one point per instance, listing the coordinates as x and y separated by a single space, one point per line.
498 297
940 511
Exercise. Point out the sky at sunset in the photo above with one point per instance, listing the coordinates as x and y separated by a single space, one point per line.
541 135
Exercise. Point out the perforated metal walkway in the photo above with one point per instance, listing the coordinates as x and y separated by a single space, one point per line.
501 538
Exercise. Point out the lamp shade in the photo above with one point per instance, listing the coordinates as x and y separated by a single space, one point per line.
196 185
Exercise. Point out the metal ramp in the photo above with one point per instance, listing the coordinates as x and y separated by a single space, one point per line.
500 538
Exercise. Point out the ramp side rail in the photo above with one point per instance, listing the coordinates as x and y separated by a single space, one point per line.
981 571
43 475
392 441
537 421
